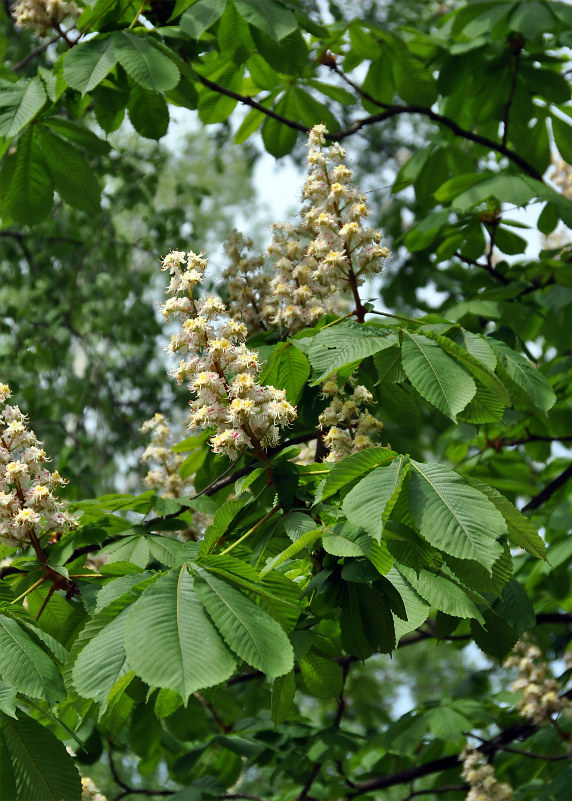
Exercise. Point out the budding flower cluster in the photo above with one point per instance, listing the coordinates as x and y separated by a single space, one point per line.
250 298
541 698
28 506
331 252
165 477
481 776
42 16
350 426
219 367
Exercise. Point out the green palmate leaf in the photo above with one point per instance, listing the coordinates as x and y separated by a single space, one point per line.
7 700
562 135
441 594
30 195
73 179
477 356
171 553
171 642
437 377
19 103
453 516
521 532
343 344
524 381
322 676
416 608
41 768
303 541
146 64
128 549
346 540
495 637
78 134
312 112
367 622
110 105
201 16
287 369
269 16
278 138
246 629
485 407
370 502
283 690
148 113
88 63
354 466
102 661
26 666
515 607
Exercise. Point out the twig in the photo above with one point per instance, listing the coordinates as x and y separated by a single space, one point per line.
528 754
38 51
447 788
389 112
489 267
224 727
548 490
126 788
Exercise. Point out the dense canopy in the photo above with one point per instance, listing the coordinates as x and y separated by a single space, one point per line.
350 576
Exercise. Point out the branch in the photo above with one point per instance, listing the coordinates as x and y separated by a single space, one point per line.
548 490
519 731
389 111
447 788
528 754
126 788
488 267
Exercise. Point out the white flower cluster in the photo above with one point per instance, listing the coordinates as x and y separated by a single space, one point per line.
220 369
331 252
541 698
42 16
350 426
28 506
166 477
481 776
248 284
89 791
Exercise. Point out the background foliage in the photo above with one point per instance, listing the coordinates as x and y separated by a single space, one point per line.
458 116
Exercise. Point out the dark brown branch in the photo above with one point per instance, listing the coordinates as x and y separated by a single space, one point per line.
447 788
126 788
528 754
532 438
389 112
31 56
487 266
548 490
